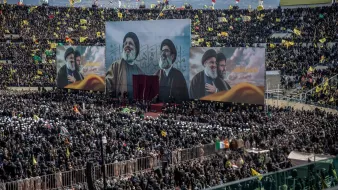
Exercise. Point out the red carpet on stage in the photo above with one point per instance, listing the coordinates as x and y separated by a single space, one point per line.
156 107
152 114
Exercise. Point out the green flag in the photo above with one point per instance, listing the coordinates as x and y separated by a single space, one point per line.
48 52
269 114
36 58
321 16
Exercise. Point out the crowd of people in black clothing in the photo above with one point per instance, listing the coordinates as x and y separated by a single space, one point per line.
55 131
42 133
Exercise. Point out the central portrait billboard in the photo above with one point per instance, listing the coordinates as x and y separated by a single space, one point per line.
155 47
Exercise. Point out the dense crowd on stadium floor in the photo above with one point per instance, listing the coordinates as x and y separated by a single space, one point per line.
34 140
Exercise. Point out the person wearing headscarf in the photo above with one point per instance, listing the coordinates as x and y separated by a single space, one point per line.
207 81
68 74
171 80
120 73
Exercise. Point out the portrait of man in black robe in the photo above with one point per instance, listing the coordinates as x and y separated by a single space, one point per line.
221 69
68 73
119 78
207 81
78 63
172 82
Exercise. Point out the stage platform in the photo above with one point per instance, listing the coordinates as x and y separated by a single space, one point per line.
152 114
156 107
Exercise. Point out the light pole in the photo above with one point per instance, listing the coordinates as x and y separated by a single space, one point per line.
103 143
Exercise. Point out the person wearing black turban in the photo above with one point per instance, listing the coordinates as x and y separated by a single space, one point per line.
119 76
68 74
172 82
207 81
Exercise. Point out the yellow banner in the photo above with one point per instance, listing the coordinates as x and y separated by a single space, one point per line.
303 2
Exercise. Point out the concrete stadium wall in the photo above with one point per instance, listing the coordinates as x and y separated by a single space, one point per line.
298 106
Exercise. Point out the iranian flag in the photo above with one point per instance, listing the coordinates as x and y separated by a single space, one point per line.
237 1
222 144
219 145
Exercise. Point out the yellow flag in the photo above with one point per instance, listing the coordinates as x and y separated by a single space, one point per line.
98 34
322 40
83 21
332 100
201 40
82 39
36 117
326 83
67 153
152 6
163 133
56 35
39 72
224 34
255 173
83 27
322 59
34 161
210 29
278 20
310 70
161 14
297 32
260 7
318 89
272 45
24 22
119 15
224 19
53 45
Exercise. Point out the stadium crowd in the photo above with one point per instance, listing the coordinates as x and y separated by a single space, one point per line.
43 133
48 132
29 36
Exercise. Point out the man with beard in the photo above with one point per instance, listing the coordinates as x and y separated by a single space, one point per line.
119 75
172 82
221 69
207 82
68 73
78 63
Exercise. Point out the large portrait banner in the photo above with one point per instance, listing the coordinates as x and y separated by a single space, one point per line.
81 67
227 74
155 47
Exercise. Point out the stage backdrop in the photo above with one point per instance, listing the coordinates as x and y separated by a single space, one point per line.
227 74
88 67
156 47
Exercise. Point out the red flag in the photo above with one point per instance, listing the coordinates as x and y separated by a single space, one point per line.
75 109
51 16
213 1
